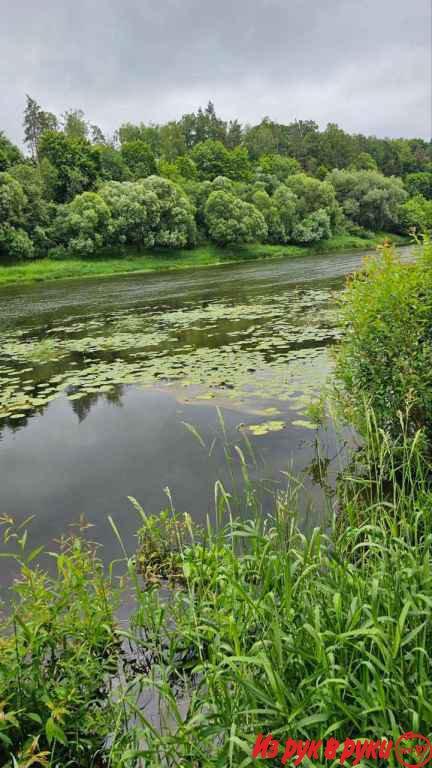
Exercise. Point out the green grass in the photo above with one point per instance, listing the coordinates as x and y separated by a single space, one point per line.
154 261
270 631
266 631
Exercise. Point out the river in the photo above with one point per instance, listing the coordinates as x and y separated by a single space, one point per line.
129 386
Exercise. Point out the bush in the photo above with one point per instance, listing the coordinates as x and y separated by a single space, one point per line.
135 213
386 354
416 214
58 648
14 241
138 158
419 184
15 244
176 227
312 228
229 220
81 227
368 198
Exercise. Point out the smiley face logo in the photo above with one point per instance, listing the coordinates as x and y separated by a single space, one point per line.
413 750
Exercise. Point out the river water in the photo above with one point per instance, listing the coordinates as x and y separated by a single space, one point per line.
128 386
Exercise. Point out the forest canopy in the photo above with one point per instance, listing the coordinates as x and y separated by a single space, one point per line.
77 191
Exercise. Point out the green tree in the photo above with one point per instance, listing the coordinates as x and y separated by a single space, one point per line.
176 227
36 122
204 125
312 194
139 158
97 136
149 134
172 141
261 139
36 210
337 149
14 241
230 220
368 198
211 159
111 165
135 213
9 153
314 227
266 206
279 166
75 125
234 134
285 203
186 168
238 164
419 184
416 214
12 200
74 164
81 226
363 162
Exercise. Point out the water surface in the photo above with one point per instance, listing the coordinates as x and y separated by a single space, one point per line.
103 382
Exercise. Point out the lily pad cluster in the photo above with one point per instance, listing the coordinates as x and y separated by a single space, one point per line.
265 349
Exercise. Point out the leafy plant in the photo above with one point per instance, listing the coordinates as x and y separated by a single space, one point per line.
385 358
58 651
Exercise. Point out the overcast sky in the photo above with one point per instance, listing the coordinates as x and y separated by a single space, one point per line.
365 64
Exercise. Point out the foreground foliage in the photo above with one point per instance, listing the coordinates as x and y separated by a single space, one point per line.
386 358
267 630
58 652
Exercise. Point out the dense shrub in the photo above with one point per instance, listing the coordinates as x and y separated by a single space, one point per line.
57 650
139 159
229 220
386 355
315 227
368 198
81 227
176 227
419 184
416 214
14 241
9 153
135 213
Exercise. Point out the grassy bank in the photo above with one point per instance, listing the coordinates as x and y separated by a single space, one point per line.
154 261
266 631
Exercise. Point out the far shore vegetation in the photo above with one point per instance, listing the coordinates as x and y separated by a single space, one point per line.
206 255
198 191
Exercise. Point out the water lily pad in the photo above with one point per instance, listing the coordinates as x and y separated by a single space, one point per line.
304 424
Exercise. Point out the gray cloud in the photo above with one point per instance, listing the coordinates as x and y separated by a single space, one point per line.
365 64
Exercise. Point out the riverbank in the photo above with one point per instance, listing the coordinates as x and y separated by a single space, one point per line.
215 644
166 259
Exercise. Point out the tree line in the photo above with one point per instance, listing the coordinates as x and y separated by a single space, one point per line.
80 192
